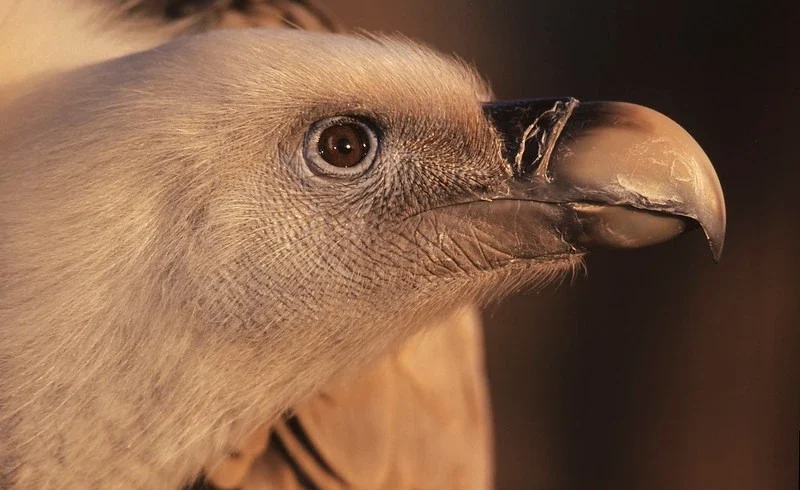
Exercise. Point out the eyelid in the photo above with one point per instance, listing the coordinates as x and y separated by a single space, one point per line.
320 167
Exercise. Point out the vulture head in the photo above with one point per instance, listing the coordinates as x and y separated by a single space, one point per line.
209 230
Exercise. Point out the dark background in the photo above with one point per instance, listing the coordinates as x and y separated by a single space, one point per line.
659 370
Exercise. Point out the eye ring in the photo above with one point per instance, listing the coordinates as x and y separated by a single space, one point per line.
340 146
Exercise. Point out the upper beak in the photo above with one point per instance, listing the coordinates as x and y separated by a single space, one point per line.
632 176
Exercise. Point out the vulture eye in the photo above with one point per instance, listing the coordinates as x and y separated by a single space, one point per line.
340 146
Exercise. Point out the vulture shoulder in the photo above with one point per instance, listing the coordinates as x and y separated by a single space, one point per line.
417 419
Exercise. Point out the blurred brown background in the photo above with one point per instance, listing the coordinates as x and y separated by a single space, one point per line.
660 370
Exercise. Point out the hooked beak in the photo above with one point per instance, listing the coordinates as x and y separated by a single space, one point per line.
631 176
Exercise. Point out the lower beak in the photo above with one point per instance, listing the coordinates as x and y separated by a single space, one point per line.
632 176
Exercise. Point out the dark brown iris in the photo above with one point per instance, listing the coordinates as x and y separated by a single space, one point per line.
343 145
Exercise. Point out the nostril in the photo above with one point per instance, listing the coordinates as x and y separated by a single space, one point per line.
529 130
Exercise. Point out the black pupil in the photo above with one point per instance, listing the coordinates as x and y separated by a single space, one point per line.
343 145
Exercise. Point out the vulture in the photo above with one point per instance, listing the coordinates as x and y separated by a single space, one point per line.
241 248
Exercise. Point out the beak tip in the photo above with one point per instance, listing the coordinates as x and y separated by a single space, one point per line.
716 240
716 251
713 222
714 218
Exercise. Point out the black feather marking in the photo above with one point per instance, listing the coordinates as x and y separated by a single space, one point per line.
201 484
294 425
304 480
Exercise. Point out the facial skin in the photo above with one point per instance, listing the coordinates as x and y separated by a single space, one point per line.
177 270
